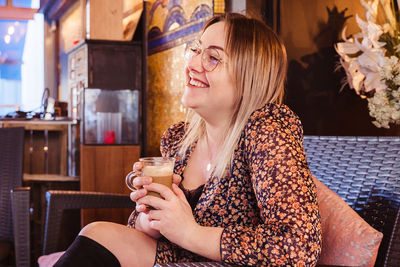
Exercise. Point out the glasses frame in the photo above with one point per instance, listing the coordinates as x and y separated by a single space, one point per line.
190 54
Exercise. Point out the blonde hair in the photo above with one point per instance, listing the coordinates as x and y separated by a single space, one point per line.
257 62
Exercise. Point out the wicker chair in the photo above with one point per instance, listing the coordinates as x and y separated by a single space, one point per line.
364 172
20 204
58 201
11 164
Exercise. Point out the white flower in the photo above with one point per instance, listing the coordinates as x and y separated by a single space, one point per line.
354 77
396 80
370 32
371 9
386 5
397 48
370 67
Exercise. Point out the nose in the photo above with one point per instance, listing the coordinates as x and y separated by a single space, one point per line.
194 64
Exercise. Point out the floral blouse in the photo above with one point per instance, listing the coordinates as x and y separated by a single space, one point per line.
266 203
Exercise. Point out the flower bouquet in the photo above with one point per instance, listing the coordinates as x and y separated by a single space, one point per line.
371 59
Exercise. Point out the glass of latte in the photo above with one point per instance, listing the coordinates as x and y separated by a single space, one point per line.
160 169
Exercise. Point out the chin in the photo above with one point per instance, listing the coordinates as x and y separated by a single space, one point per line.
187 103
190 99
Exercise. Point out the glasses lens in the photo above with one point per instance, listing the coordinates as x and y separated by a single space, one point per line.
191 50
210 59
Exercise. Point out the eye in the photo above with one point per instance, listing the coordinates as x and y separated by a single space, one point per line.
191 50
195 50
212 56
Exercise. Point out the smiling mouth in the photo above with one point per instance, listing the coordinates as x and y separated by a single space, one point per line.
197 83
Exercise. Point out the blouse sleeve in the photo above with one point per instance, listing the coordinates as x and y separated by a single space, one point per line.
289 232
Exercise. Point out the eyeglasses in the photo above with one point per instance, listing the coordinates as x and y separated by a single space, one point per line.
210 57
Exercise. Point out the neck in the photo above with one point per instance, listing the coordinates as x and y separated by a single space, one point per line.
211 144
214 136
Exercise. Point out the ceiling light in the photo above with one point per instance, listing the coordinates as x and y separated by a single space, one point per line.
11 30
7 39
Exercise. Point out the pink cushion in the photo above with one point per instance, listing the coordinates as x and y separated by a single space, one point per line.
49 260
346 238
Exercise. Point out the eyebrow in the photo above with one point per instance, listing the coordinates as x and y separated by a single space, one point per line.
213 46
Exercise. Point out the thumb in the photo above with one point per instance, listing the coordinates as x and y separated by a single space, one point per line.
176 179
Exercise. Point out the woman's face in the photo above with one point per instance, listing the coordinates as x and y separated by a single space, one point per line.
211 94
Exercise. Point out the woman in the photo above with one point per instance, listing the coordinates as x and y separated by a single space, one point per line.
240 163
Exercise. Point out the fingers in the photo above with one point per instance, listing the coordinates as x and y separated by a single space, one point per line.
139 181
179 192
142 208
176 179
152 201
137 194
155 215
163 190
137 166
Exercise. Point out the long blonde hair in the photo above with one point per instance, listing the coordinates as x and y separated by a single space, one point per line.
257 62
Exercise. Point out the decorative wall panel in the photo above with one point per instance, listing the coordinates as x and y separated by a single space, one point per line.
171 24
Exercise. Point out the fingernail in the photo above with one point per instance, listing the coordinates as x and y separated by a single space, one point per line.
136 165
148 180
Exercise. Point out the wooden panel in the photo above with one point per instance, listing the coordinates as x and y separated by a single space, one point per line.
63 153
17 13
103 169
54 9
38 125
35 158
106 20
49 178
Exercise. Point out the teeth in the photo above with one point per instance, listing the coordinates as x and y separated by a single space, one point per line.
196 83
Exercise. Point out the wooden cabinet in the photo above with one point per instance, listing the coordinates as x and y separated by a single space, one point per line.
104 77
46 145
103 169
99 73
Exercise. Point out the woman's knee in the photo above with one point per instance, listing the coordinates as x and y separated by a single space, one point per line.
95 228
125 243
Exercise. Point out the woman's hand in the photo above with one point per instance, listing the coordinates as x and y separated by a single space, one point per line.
143 219
140 181
172 216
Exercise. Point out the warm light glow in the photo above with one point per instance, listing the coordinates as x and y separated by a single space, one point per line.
11 30
45 148
7 39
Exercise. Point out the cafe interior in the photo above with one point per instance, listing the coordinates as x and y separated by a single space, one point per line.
87 87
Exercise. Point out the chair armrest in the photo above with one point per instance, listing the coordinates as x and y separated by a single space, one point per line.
59 200
393 253
20 200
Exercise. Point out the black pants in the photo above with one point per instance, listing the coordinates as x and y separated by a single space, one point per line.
87 252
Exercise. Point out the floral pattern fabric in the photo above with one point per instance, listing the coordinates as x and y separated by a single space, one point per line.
266 203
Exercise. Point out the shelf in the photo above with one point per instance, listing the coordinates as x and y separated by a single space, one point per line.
49 178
